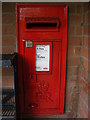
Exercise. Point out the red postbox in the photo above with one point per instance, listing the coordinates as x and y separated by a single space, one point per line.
41 48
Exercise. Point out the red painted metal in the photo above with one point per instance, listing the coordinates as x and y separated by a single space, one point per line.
41 93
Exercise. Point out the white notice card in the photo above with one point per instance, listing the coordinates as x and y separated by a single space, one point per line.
42 57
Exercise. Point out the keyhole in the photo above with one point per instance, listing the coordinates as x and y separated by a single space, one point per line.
31 76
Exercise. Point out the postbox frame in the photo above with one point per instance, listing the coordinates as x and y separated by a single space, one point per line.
19 100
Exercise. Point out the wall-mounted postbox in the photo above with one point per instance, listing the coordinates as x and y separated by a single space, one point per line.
41 48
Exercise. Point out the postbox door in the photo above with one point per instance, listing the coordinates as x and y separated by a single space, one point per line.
41 69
